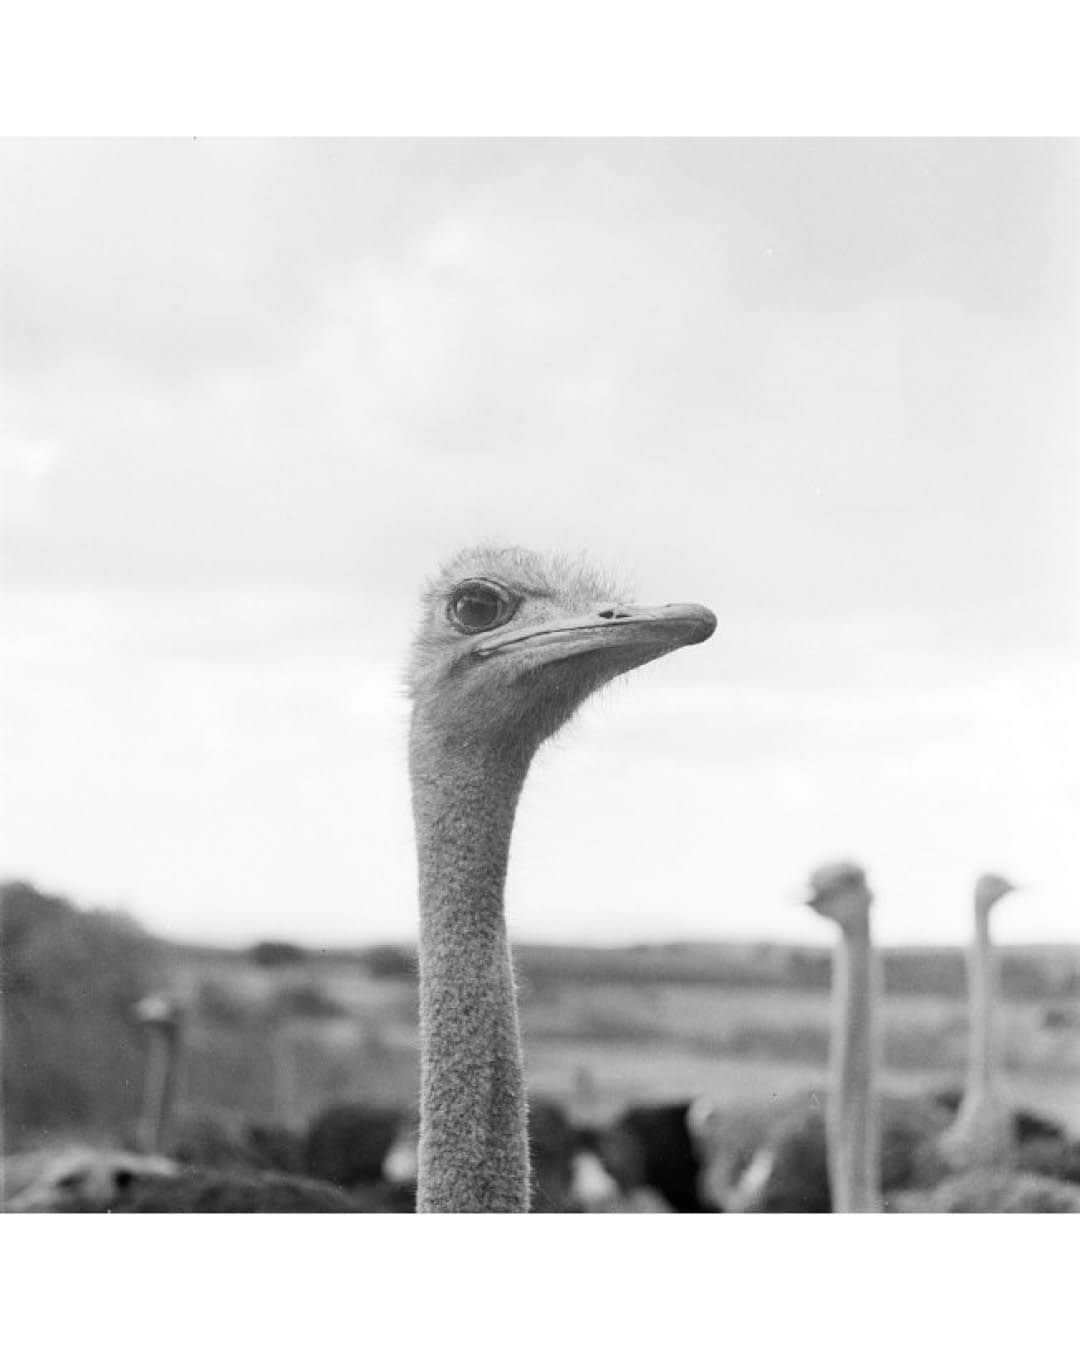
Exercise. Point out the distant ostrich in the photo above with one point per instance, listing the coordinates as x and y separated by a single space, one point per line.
111 1181
780 1161
82 1179
101 1181
838 1150
215 1167
201 1140
839 892
765 1160
163 1018
652 1146
1002 1160
347 1143
818 1158
352 1145
76 1177
1030 1127
984 1131
510 644
236 1165
208 1141
992 1191
566 1174
225 1144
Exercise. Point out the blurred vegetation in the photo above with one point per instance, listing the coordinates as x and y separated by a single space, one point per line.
1027 973
307 1000
273 955
72 1053
391 963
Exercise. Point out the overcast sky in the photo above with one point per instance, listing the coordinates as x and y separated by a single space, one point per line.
252 392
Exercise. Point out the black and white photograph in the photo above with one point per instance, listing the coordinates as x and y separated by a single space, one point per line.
343 868
541 676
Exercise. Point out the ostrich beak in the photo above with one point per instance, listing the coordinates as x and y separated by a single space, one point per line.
646 631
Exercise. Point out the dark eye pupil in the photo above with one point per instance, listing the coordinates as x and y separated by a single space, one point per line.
476 609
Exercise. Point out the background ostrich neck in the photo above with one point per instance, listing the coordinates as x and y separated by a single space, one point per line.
161 1071
852 1124
982 976
473 1143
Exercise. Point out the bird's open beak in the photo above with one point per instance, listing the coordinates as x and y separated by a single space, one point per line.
661 628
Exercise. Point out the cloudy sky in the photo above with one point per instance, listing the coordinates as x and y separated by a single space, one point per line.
252 392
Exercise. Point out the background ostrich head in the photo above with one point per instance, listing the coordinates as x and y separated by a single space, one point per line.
838 891
511 642
990 888
160 1012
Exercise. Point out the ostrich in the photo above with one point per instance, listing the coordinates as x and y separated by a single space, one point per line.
510 644
163 1019
837 1152
567 1175
77 1178
1002 1160
782 1161
990 1191
223 1143
839 892
765 1160
654 1147
201 1140
565 1171
347 1143
105 1181
984 1132
360 1147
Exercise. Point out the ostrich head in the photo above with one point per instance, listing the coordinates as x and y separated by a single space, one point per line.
989 889
511 643
159 1012
838 891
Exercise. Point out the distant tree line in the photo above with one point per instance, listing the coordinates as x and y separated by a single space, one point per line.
1028 974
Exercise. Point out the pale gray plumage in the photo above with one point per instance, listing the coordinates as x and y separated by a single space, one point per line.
510 644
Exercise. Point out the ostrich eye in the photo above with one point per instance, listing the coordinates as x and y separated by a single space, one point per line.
478 605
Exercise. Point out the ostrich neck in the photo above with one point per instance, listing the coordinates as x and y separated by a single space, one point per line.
161 1076
982 974
852 1124
473 1140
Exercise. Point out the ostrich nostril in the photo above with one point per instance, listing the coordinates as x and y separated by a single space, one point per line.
614 614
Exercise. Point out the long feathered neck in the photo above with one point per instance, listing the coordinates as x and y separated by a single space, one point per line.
473 1133
984 1132
162 1071
852 1112
982 978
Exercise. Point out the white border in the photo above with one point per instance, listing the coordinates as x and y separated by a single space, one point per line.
565 68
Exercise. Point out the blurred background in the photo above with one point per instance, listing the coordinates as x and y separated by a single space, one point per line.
253 393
